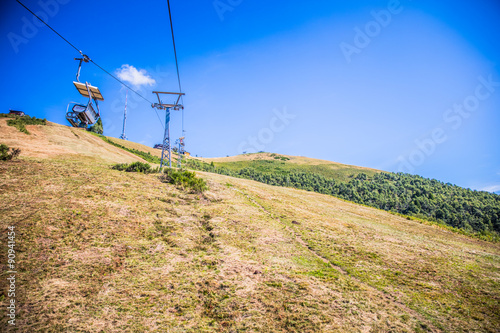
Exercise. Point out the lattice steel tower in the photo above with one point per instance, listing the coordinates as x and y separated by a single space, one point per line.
166 150
123 136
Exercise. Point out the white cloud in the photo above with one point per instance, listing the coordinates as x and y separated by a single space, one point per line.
134 76
492 188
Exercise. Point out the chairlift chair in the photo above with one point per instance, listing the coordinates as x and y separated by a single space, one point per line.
83 115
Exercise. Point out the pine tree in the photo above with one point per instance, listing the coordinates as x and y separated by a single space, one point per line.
97 128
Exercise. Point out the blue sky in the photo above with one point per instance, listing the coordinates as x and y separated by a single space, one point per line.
410 86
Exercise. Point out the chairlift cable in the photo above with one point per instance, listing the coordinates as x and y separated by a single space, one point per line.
67 41
117 79
79 51
176 61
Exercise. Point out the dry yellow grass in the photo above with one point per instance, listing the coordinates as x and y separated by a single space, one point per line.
104 251
450 279
137 146
300 160
53 140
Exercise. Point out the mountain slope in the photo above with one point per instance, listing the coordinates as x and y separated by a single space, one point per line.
271 162
55 140
125 252
464 210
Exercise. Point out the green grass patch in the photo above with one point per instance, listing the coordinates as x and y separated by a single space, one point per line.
135 167
274 284
181 178
21 122
7 154
279 157
144 155
184 179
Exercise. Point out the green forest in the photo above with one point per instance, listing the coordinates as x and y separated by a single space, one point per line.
411 195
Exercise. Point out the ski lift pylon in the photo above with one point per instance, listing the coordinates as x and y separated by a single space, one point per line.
166 151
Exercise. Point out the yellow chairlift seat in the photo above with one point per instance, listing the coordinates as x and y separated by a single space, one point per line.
82 89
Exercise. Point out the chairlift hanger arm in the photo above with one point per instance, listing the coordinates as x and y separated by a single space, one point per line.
178 98
86 59
161 105
91 95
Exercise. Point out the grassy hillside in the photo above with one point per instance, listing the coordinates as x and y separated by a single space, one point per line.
272 163
99 250
463 210
53 140
140 147
137 146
